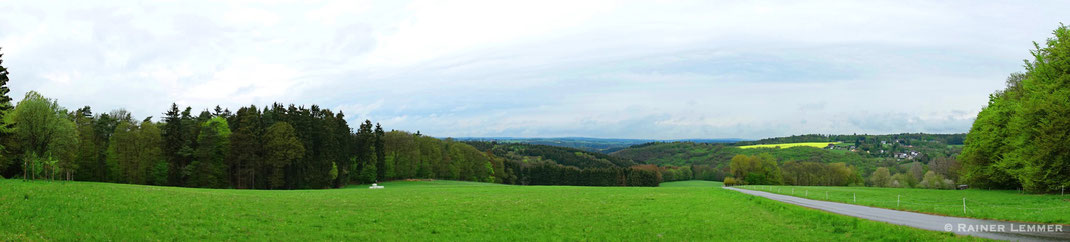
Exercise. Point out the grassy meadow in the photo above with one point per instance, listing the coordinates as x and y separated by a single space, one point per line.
789 145
420 210
985 204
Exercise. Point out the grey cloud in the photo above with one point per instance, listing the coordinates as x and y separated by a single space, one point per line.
630 70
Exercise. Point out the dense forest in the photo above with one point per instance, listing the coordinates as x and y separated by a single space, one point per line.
1022 137
278 147
551 165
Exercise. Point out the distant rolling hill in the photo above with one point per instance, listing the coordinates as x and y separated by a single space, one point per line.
590 144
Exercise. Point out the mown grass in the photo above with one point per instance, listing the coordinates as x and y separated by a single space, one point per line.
405 211
984 204
692 183
789 145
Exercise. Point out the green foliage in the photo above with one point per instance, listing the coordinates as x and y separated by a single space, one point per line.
935 181
281 148
302 148
64 149
415 156
43 130
5 101
560 155
1021 137
333 174
674 173
88 158
209 167
369 174
730 181
135 153
178 135
528 164
903 180
819 174
709 173
365 142
679 154
756 170
881 178
380 149
245 147
946 166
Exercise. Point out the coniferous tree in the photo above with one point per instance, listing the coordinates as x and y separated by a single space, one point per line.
88 157
365 147
6 158
282 148
380 152
175 136
5 99
246 148
344 150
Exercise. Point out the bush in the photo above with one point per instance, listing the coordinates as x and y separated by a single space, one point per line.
904 180
881 177
368 174
729 181
935 181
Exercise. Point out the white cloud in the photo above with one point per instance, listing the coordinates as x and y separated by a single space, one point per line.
632 69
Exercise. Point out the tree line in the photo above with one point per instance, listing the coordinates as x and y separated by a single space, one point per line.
1021 139
531 164
764 169
278 147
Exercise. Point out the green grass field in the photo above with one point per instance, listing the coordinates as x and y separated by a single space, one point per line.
426 210
985 204
789 145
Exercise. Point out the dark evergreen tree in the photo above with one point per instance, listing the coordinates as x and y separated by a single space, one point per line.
380 152
89 168
365 145
174 136
5 99
246 149
281 149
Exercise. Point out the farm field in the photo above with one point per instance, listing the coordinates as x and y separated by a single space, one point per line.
420 210
789 145
984 204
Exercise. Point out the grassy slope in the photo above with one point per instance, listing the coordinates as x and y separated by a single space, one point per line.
986 204
440 210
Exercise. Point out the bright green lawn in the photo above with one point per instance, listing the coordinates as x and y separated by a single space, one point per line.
986 204
692 183
405 211
789 145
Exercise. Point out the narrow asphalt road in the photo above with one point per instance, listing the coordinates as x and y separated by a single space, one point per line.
1001 230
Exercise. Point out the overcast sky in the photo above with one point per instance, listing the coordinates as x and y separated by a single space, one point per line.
645 69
